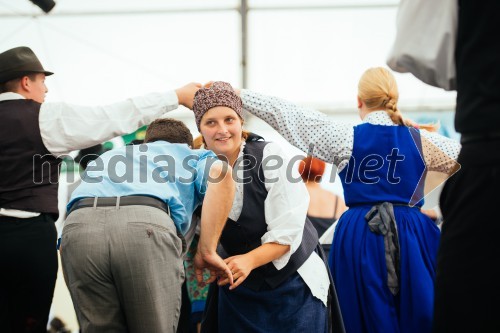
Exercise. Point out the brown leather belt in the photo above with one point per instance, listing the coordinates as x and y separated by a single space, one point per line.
130 200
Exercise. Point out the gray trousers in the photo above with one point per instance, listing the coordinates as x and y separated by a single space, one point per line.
124 270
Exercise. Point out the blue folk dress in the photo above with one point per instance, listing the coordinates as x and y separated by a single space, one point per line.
385 283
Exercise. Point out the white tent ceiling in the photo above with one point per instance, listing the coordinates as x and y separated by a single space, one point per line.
309 51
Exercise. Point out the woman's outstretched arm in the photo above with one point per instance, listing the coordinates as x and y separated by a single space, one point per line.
308 130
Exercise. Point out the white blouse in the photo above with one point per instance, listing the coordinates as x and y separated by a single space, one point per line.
286 207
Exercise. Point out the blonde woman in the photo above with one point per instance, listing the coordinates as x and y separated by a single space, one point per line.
383 255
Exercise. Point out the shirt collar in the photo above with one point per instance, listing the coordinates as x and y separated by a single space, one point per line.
243 143
10 95
378 118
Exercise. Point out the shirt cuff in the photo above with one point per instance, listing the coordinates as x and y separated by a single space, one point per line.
245 96
282 261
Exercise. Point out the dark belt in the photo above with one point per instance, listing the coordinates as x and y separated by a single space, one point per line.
131 200
479 137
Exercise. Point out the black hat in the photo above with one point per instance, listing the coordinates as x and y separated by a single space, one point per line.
17 62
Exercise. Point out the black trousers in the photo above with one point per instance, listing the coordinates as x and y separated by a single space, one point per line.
467 279
28 271
185 315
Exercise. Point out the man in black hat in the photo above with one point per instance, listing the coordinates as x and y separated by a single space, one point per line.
33 136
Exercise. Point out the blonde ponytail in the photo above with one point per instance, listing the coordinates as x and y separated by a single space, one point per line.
377 88
392 109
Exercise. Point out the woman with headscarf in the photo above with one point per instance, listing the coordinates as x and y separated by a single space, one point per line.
281 283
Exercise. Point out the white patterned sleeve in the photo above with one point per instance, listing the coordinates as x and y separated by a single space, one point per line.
440 152
308 130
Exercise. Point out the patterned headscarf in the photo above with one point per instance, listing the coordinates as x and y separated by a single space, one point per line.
219 94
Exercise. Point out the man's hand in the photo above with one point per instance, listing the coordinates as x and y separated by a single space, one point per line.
186 93
214 263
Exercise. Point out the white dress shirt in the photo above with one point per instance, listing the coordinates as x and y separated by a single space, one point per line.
285 207
66 127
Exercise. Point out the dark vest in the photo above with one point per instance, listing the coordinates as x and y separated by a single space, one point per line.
244 235
29 173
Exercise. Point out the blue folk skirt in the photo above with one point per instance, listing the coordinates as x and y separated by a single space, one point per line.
357 263
290 307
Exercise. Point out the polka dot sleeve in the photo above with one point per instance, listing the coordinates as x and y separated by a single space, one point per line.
308 130
440 152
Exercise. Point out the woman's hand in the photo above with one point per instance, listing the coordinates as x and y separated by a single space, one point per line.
240 266
431 213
